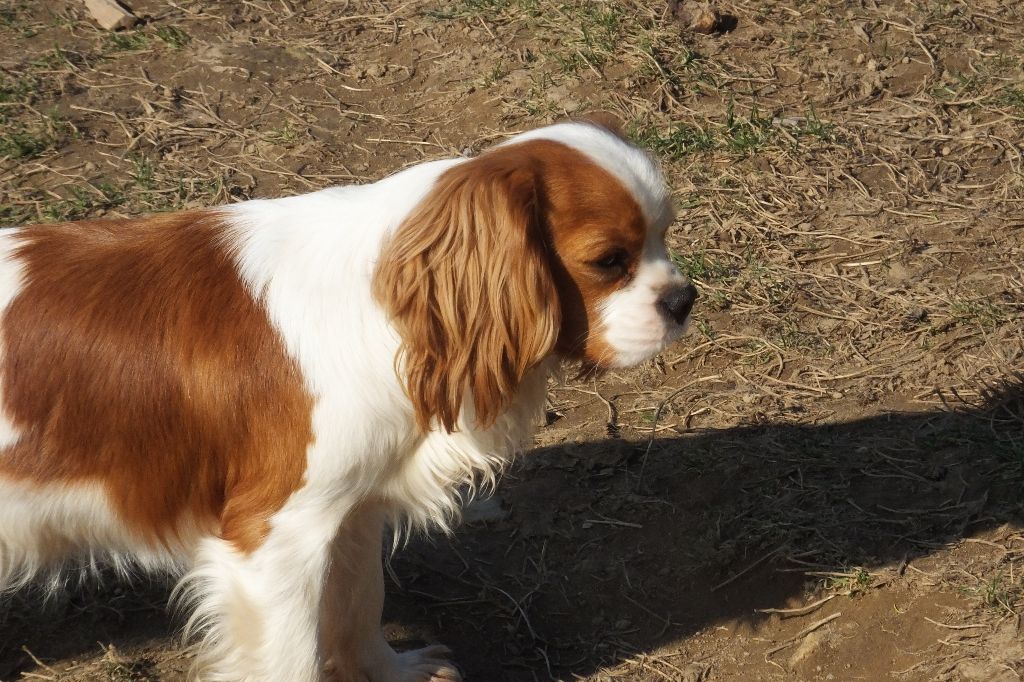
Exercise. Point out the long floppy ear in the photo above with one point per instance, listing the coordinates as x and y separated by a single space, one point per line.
466 280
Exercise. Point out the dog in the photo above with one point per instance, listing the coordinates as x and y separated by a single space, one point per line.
251 396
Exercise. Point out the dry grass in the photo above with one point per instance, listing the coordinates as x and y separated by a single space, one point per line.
843 420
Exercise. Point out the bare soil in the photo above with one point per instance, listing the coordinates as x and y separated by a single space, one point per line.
823 481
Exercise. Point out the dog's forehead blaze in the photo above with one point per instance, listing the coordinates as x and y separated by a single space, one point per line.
133 346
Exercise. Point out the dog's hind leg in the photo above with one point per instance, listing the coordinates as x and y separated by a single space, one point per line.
256 611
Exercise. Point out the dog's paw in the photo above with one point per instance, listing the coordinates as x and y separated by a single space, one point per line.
429 664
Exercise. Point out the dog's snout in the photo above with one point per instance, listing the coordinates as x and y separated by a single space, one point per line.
678 302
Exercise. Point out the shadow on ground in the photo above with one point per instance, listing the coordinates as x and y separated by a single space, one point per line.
613 548
595 565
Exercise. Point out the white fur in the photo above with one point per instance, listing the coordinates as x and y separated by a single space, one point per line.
309 597
10 285
60 530
630 165
632 325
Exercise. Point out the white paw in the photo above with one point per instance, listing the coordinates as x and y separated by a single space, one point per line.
429 664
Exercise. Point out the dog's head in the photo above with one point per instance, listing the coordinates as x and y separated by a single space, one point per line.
551 243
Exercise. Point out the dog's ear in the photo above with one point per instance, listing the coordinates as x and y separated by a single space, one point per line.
466 281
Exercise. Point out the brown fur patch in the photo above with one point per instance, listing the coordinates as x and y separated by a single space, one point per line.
495 270
134 357
607 120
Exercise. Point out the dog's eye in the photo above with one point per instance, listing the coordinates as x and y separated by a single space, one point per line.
613 260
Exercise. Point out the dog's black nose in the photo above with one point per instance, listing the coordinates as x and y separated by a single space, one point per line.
677 303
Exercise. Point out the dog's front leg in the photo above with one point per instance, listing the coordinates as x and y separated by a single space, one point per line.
354 598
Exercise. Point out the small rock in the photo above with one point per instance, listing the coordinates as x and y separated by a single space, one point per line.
916 315
699 17
111 14
870 84
872 65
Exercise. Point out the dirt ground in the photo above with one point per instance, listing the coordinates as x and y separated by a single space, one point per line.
823 481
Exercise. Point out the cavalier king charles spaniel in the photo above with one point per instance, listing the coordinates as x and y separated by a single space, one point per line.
250 397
